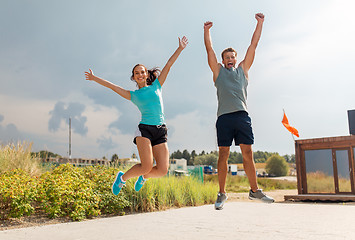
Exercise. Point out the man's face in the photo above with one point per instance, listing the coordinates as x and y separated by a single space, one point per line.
229 59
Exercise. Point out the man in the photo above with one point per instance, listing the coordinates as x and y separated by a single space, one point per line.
233 122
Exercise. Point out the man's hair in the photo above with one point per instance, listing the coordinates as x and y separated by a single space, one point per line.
228 50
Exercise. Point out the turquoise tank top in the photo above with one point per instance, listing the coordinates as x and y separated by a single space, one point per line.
231 87
150 103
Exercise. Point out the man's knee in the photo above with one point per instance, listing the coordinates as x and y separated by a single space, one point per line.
246 149
223 153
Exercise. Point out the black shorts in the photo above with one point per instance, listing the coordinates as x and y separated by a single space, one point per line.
235 125
157 134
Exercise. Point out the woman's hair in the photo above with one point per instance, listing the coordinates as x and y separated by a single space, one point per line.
152 73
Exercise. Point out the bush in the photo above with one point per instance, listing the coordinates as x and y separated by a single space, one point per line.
18 193
78 192
277 166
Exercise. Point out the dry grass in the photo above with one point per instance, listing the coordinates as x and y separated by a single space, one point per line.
18 156
257 166
319 182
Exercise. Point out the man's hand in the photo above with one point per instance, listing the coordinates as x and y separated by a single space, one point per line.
259 17
207 25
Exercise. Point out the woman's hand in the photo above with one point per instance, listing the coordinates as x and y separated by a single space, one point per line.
183 42
89 75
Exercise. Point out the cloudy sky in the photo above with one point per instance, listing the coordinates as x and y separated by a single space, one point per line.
304 64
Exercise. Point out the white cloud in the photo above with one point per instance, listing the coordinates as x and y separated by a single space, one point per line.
192 131
303 63
29 115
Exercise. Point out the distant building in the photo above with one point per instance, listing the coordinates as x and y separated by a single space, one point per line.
178 167
80 162
233 169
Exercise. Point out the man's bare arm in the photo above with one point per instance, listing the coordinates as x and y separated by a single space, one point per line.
211 55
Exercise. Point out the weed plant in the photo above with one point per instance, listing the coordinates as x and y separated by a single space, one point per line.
170 191
18 156
319 182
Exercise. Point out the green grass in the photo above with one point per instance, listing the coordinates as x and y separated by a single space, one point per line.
167 192
241 183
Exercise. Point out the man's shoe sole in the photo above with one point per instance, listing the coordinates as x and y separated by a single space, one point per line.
257 199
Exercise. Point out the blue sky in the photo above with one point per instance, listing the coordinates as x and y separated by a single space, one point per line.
303 64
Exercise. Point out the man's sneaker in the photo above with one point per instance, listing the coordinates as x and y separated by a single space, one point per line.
260 195
221 199
118 184
139 183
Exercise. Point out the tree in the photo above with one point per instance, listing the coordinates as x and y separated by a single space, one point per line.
186 155
277 165
114 157
115 160
190 161
193 154
206 159
235 157
177 155
289 158
45 154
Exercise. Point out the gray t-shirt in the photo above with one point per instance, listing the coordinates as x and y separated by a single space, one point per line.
231 87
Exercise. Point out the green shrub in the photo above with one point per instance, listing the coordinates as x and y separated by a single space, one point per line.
277 166
18 191
103 177
78 192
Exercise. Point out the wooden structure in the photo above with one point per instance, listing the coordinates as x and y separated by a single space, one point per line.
325 169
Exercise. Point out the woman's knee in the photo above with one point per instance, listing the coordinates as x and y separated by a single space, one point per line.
146 168
162 170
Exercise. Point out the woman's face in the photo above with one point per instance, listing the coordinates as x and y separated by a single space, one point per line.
140 75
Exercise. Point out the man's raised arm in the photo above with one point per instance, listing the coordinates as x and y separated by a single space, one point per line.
211 55
249 56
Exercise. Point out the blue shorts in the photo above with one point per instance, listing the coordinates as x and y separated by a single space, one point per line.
157 134
235 125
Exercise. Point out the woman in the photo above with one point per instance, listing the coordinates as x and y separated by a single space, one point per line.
151 135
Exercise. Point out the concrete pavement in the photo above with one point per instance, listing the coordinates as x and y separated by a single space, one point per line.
238 220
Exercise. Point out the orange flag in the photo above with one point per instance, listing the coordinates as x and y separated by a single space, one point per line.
289 128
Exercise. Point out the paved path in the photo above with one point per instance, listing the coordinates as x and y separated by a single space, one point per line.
238 220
